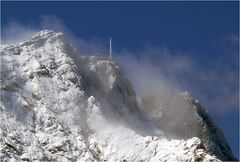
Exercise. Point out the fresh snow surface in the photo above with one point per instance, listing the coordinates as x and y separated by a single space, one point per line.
59 106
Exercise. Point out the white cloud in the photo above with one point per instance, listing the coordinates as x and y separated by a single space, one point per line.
158 68
15 32
154 68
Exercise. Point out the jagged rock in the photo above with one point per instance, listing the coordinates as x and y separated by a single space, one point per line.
67 107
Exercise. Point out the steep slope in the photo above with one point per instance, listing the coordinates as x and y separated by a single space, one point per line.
57 105
182 117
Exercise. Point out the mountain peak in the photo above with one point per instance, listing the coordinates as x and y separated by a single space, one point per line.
42 36
44 33
59 106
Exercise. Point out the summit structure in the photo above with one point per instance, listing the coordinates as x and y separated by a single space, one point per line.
110 48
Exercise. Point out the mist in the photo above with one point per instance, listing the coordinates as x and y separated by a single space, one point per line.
157 74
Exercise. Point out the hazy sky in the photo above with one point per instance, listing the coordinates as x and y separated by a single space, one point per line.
193 45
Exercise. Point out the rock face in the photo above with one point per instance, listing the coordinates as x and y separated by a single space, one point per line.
59 106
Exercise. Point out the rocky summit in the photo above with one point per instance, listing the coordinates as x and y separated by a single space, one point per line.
57 105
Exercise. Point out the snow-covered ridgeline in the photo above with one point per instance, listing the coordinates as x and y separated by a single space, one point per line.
58 105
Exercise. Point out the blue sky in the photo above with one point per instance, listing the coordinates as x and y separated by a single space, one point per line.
203 36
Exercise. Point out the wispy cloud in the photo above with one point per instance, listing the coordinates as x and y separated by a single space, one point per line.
154 68
15 32
158 68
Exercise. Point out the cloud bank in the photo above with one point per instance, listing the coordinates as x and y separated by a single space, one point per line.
153 68
156 67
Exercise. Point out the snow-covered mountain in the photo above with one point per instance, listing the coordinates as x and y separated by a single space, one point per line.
59 106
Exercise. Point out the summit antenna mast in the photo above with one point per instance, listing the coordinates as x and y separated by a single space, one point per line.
110 48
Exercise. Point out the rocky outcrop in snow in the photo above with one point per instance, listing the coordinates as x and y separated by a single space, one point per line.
59 106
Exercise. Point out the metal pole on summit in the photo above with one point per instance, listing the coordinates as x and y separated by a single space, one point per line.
110 48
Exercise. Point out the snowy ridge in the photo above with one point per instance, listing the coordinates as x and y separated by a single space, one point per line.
59 106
